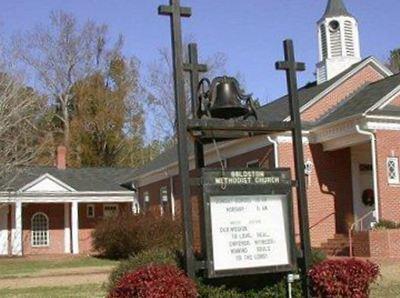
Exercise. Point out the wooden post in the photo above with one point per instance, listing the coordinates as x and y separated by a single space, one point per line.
175 12
291 67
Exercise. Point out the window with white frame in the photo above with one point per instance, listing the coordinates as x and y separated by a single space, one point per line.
90 211
164 199
393 170
110 210
146 200
40 230
253 164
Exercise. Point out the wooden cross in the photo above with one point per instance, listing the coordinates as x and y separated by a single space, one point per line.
175 12
195 69
291 67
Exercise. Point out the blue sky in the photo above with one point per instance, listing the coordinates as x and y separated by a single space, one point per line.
249 32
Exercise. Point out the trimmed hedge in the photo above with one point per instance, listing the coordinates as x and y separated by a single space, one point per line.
343 278
155 281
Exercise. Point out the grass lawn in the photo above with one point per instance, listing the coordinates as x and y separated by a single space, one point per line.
89 290
24 267
388 285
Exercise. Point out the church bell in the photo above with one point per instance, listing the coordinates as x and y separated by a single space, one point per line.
225 99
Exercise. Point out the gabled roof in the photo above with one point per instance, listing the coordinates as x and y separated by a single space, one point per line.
84 179
335 8
364 99
278 110
166 158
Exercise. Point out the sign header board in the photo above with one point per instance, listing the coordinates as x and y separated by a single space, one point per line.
248 221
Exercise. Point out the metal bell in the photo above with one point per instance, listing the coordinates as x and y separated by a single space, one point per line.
226 99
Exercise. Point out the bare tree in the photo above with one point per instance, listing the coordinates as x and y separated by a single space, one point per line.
161 92
61 55
19 110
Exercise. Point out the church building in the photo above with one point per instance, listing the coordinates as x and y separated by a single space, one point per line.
351 135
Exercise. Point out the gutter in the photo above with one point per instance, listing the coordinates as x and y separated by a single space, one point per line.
274 142
374 167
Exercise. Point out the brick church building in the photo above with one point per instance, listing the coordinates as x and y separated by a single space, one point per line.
351 135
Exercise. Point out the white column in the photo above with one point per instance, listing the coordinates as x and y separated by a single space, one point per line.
67 229
171 184
75 227
16 232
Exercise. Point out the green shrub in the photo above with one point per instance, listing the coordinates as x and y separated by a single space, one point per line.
119 237
317 256
247 287
387 225
153 256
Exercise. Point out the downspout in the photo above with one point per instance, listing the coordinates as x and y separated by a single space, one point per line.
274 142
375 167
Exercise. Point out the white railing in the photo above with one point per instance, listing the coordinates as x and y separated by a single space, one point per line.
359 221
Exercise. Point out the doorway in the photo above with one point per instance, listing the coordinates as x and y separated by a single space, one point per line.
363 200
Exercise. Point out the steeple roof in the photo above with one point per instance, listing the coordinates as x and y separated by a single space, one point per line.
335 8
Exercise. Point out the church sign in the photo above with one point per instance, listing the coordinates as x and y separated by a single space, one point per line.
248 221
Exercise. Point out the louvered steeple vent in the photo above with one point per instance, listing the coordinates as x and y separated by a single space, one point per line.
339 45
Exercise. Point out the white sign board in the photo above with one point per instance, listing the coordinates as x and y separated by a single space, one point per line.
249 231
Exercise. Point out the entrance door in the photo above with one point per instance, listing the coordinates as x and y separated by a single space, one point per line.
364 202
4 230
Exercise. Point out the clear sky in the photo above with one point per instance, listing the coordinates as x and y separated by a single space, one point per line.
249 32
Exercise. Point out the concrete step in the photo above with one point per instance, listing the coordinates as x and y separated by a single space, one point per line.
337 246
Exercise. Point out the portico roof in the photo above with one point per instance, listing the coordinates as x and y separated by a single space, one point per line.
105 179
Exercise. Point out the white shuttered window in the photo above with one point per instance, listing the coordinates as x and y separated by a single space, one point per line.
393 170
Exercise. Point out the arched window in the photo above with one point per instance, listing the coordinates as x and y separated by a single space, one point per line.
40 230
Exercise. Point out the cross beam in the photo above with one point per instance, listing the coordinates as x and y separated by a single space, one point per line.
291 67
194 68
174 9
175 12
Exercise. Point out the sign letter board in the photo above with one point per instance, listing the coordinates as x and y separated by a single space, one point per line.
248 221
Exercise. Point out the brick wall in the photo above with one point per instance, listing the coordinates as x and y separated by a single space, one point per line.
87 225
389 195
329 190
395 101
367 75
55 213
264 155
377 244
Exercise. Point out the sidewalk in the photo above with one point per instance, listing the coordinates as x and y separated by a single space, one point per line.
59 277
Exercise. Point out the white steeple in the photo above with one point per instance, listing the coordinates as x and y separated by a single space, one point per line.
339 43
